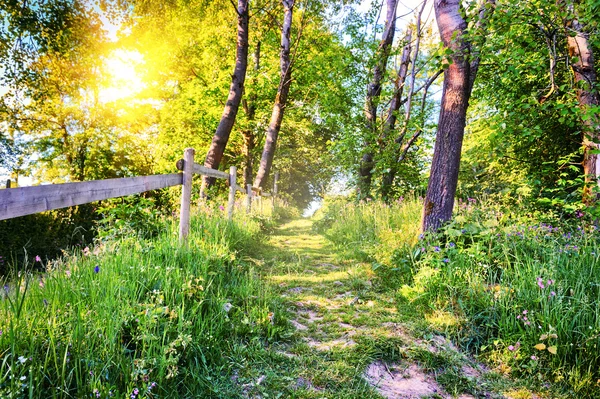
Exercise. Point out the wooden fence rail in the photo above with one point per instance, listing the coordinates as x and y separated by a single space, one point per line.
15 202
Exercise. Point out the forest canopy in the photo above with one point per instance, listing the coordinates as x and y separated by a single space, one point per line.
322 92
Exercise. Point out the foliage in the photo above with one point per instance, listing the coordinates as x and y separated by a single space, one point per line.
45 234
139 318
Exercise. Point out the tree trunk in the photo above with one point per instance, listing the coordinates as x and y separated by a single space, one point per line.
458 84
392 116
372 101
285 81
585 80
250 109
221 137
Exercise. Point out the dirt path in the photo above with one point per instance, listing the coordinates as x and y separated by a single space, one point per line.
353 340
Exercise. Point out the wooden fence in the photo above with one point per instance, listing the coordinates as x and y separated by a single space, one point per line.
15 202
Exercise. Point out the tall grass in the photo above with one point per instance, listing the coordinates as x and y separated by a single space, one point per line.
138 318
369 230
520 291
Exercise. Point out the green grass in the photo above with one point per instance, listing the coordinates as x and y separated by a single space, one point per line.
142 318
479 281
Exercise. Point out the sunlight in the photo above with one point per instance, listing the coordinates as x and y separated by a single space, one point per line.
124 80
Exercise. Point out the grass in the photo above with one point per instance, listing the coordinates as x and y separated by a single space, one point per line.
140 318
302 316
519 292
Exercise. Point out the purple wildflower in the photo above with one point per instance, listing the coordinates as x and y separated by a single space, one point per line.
97 269
540 283
534 357
38 259
221 207
511 348
446 260
552 293
436 249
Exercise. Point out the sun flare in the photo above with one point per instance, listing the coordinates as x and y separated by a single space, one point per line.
124 79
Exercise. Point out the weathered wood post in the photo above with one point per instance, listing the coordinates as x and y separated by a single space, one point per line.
232 185
275 178
186 194
248 198
8 183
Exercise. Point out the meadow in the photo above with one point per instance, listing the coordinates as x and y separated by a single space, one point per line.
139 317
519 292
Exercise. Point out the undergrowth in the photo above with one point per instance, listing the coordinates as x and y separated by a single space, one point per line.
140 318
517 290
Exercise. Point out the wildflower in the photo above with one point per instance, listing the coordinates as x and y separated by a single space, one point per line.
511 348
38 259
0 333
518 317
446 260
22 359
534 357
550 282
227 307
525 311
96 392
152 385
436 249
540 283
45 302
552 293
97 269
527 323
68 273
42 283
86 251
221 208
452 245
135 393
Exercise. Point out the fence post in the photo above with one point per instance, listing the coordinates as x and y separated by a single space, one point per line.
248 198
275 178
186 194
232 185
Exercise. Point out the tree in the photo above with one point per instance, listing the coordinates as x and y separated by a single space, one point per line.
459 78
219 141
372 99
581 51
281 98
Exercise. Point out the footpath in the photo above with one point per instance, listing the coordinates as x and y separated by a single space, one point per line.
356 340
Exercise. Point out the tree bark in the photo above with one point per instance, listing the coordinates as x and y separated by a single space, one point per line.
372 101
285 80
221 137
250 109
458 84
392 116
585 80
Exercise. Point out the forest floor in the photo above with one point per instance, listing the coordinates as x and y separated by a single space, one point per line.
354 339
